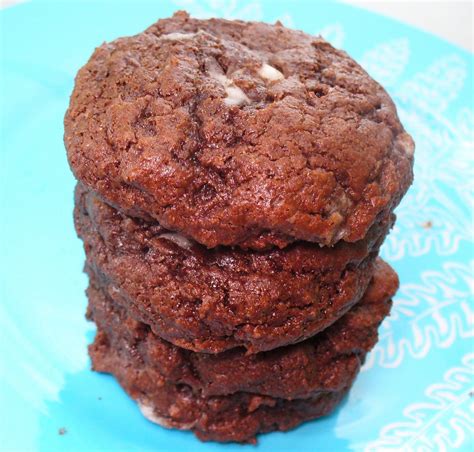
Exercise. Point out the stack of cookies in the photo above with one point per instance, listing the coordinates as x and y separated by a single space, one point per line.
236 181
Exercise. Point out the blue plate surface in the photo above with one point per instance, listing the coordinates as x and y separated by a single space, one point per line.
415 390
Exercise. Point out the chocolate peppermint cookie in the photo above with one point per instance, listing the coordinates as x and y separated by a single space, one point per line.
213 300
238 133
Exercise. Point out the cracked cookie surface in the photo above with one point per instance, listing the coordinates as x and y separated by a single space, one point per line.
237 133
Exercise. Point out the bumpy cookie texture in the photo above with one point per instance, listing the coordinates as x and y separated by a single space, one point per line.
326 362
238 417
213 300
233 396
238 133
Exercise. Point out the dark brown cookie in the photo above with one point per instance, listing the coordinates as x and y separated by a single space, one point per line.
238 133
213 300
232 396
237 417
326 362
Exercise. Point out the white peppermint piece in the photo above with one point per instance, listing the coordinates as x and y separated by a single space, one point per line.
407 144
270 73
178 239
177 36
235 96
149 413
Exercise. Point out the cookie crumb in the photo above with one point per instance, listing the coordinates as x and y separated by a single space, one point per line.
62 431
427 224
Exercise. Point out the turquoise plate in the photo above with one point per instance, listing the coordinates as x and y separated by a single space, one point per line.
415 390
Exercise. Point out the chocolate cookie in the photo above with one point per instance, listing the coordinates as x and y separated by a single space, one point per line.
237 417
233 395
326 362
213 300
238 133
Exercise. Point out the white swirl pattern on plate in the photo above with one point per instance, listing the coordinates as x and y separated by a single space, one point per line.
444 166
441 422
333 33
434 313
386 62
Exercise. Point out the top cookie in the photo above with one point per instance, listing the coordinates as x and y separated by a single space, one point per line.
237 133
